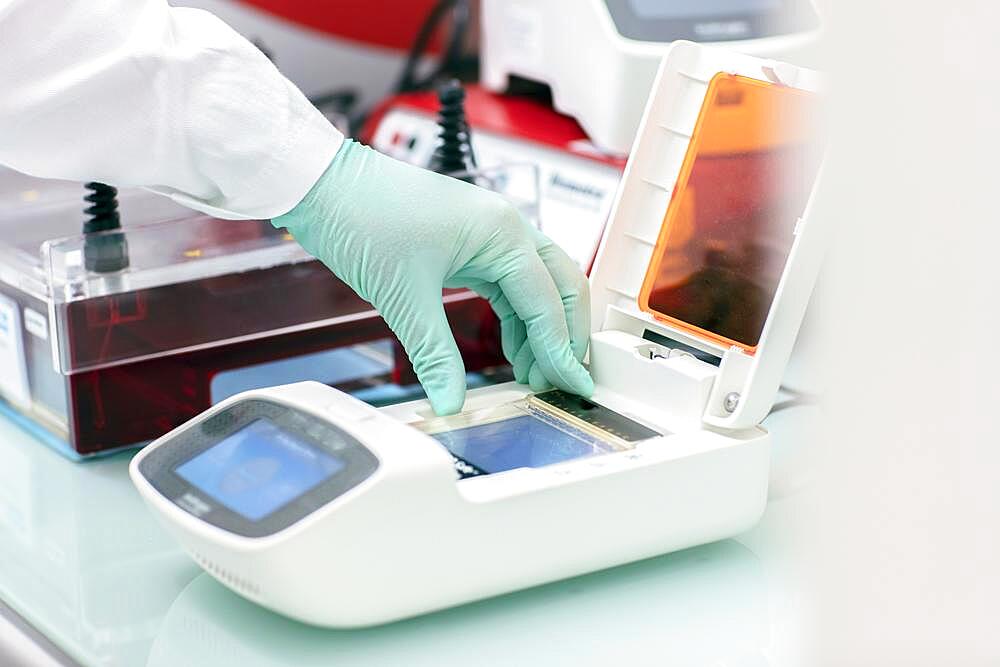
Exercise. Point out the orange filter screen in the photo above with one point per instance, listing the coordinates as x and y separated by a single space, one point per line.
729 226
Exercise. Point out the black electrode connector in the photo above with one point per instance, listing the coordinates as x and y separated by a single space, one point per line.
454 154
103 253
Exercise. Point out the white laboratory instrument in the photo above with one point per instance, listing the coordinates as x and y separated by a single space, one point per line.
599 57
318 506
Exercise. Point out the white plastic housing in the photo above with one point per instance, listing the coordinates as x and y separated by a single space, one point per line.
411 539
637 215
597 76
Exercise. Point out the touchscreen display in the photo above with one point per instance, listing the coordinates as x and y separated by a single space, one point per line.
258 469
519 442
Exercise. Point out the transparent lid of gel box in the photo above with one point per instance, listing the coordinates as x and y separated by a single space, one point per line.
187 281
709 245
190 281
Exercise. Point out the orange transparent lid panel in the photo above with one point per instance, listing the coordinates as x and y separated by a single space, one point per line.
730 223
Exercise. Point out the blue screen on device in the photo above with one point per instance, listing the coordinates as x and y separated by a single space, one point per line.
259 469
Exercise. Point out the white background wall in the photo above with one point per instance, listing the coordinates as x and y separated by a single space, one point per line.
902 539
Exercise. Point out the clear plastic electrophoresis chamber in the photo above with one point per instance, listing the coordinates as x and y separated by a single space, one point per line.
96 361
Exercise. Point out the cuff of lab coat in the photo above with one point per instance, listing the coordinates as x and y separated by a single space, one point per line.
283 180
306 158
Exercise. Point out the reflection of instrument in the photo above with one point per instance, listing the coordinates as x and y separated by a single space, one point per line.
600 71
672 609
301 498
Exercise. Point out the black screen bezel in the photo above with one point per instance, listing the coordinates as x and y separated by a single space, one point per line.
160 466
790 17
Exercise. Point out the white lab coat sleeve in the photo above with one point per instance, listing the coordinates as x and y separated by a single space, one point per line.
138 93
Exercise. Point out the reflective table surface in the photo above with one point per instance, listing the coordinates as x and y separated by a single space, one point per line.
86 565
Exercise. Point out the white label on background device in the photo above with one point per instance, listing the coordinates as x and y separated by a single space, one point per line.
36 324
13 372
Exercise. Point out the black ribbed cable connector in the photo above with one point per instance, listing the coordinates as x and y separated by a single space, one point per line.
103 210
103 253
454 154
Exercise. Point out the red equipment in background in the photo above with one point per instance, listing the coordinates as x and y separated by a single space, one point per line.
351 50
521 118
397 20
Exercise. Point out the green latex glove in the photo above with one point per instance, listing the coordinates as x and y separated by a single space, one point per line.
398 234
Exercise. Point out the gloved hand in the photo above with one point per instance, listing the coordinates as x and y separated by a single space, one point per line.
398 234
